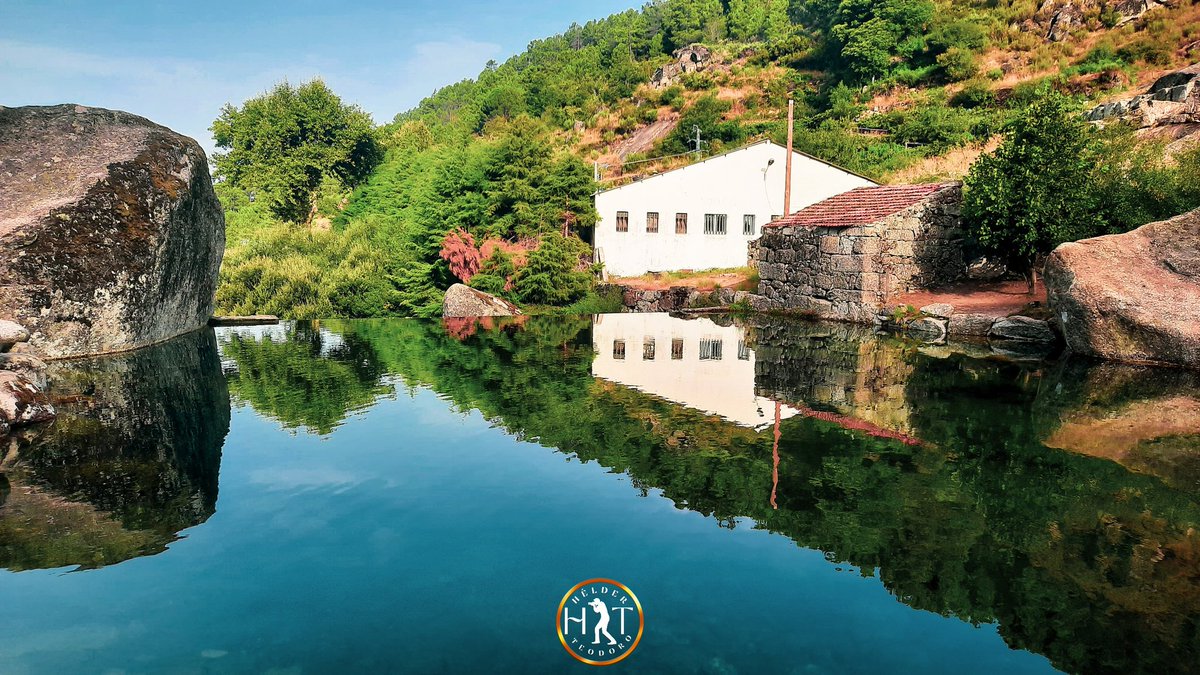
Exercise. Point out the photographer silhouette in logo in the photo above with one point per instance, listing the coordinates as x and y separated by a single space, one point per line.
602 624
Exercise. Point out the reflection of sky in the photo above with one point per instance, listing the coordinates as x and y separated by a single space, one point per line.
423 538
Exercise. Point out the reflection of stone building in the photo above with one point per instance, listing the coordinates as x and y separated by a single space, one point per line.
696 363
132 459
839 368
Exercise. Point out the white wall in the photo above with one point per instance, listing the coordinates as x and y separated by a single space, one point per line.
736 184
723 387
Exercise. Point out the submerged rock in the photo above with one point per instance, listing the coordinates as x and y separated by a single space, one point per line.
464 301
1133 296
21 402
110 233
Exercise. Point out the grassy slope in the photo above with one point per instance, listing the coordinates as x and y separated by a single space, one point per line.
1014 63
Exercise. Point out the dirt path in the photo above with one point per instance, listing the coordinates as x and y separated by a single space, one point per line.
1001 298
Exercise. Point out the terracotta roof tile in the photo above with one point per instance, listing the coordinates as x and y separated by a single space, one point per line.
860 206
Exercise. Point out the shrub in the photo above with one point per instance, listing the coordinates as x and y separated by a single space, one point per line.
958 64
976 94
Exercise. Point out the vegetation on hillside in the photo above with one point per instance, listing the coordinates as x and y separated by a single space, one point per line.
339 218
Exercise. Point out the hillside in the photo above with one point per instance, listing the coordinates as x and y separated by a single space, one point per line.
899 90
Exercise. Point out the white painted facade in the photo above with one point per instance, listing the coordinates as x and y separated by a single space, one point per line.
695 363
741 183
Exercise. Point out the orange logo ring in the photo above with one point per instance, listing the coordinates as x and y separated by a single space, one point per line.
562 639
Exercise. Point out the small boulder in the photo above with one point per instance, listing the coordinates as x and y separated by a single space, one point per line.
986 269
21 402
1022 329
971 325
940 310
464 301
928 329
1133 296
11 333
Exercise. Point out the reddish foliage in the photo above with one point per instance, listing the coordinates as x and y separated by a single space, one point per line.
458 249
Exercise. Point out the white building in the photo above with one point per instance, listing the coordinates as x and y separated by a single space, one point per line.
704 216
695 363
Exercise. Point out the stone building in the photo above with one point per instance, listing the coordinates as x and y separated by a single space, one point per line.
844 258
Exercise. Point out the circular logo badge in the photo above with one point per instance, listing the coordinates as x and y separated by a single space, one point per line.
600 622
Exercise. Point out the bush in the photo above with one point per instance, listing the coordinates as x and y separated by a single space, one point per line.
958 64
976 94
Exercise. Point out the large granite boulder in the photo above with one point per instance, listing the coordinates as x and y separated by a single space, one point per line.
21 402
1134 296
110 234
464 301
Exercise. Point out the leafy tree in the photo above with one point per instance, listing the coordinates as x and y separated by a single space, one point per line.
281 145
1035 192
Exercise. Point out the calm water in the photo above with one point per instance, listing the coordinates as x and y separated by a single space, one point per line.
412 496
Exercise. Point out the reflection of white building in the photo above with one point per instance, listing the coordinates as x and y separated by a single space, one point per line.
695 363
703 216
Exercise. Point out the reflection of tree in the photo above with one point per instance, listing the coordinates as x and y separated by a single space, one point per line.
1075 557
312 379
131 460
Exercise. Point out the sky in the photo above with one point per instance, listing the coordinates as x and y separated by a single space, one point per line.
177 62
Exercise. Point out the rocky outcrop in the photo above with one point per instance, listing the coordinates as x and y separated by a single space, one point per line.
1059 19
1170 108
676 298
690 59
110 234
1134 296
464 301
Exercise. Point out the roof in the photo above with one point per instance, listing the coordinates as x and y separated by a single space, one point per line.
730 152
860 206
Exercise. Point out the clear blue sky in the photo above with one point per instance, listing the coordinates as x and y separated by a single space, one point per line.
179 62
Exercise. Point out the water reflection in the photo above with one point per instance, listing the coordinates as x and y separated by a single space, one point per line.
132 459
1055 500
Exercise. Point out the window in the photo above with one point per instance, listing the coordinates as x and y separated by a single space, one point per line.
748 225
622 221
710 350
716 223
677 349
652 222
680 223
743 351
619 350
648 349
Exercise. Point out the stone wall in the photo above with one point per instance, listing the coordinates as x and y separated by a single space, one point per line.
849 273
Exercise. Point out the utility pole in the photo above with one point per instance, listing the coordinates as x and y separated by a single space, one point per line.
787 176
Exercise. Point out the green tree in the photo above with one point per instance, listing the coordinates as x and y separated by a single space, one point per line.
279 146
1035 192
689 21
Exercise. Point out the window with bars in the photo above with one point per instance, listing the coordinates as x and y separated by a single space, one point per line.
652 222
619 350
748 225
710 350
743 351
622 221
677 349
680 223
716 223
648 349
